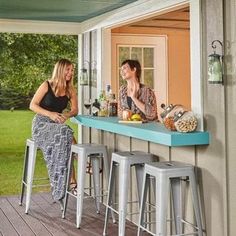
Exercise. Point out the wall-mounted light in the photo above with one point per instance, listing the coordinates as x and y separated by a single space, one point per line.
88 73
84 74
215 65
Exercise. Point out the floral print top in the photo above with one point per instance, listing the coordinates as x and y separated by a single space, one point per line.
146 96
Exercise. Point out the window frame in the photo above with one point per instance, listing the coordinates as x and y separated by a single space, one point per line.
142 10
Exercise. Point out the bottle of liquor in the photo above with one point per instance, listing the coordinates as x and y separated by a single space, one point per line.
112 106
96 107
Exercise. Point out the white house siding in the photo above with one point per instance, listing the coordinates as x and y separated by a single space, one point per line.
216 162
230 108
212 160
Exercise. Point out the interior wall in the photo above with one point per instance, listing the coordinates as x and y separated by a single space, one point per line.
178 49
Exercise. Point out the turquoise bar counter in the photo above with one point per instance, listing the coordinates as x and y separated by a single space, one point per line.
152 131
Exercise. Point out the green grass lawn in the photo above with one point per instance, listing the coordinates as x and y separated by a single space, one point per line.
15 128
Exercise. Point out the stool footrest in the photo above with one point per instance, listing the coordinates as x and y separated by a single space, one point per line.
150 232
145 229
149 222
112 209
41 178
116 203
40 185
36 185
188 223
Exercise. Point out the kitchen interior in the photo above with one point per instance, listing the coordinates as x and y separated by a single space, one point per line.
175 25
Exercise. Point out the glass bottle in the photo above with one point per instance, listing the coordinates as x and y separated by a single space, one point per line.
96 107
112 105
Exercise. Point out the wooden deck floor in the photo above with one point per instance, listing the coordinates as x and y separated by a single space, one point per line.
44 218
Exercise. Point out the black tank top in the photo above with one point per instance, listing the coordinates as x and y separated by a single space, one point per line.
129 102
52 103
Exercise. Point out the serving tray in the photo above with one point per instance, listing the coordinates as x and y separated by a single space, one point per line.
131 121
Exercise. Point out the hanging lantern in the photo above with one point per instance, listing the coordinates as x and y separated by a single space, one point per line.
215 66
84 76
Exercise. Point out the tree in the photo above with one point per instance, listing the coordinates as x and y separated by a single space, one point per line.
28 59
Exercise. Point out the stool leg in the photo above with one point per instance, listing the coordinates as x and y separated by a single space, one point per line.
111 184
143 199
67 184
195 200
139 176
30 175
81 172
162 186
124 175
106 170
96 182
24 176
177 204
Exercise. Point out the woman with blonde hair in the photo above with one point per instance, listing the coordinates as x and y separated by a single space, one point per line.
49 130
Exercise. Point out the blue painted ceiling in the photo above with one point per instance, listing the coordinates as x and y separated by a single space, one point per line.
57 10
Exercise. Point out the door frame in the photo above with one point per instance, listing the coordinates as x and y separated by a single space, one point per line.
160 44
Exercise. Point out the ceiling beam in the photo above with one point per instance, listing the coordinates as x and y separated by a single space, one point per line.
39 27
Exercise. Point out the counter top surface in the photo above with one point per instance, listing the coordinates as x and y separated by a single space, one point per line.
152 131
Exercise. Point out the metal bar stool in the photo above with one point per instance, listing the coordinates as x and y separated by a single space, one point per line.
168 174
28 173
125 160
95 152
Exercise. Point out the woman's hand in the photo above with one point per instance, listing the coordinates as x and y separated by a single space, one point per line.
58 117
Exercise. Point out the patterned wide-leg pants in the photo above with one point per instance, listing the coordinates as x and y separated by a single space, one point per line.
55 142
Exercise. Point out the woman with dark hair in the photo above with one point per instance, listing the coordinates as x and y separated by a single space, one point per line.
135 96
49 130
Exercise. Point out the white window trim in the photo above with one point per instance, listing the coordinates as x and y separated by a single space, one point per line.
141 10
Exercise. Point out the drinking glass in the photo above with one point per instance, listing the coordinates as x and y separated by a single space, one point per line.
87 105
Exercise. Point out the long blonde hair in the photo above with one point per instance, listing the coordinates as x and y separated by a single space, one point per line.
59 83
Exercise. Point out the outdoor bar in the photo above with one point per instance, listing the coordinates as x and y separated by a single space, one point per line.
187 50
154 132
150 137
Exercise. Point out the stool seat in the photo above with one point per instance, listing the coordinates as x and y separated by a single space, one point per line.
166 175
135 157
89 148
95 152
125 160
172 168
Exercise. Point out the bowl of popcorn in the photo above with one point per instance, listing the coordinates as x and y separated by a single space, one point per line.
185 122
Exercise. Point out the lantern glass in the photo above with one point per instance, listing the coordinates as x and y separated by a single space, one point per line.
215 75
83 77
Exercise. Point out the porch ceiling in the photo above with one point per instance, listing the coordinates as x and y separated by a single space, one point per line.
58 10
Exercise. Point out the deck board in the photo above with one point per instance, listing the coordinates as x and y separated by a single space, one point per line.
6 228
36 226
44 218
18 223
